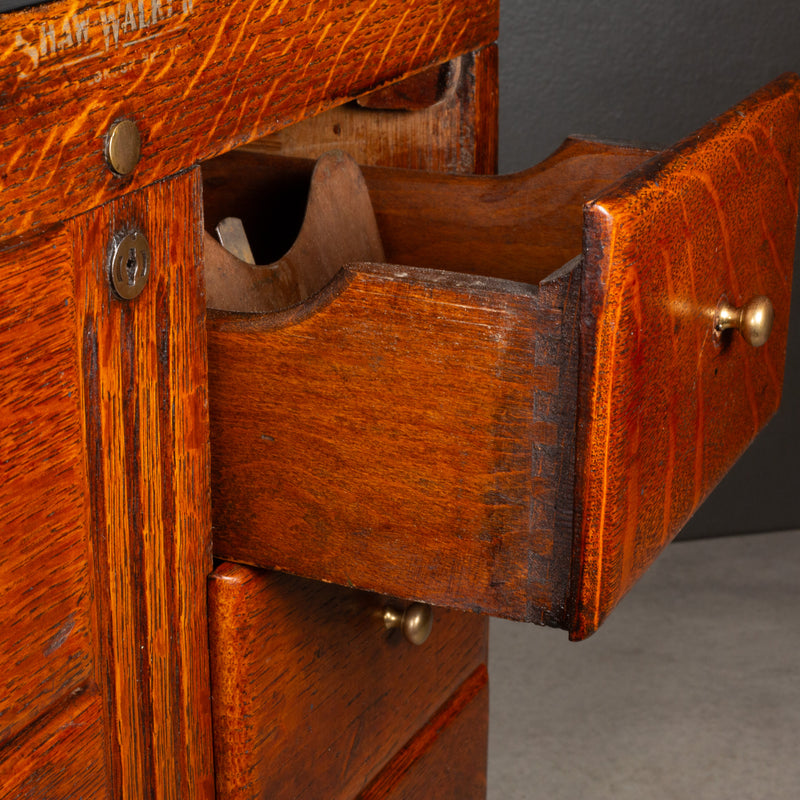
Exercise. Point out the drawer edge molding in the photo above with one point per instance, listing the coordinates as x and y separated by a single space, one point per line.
708 220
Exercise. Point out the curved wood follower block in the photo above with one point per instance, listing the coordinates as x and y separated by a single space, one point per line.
665 409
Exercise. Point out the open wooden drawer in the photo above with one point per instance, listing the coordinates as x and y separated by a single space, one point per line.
487 427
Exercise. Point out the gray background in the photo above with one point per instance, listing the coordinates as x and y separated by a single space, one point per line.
652 72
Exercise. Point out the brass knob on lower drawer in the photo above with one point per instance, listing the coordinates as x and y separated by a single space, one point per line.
753 320
415 621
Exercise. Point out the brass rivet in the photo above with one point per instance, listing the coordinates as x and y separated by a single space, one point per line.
123 147
130 264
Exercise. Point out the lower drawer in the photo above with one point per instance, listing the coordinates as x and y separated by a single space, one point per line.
446 760
491 428
312 696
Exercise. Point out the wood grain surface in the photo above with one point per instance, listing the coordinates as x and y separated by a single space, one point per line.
312 695
198 78
45 593
521 226
383 437
447 404
63 757
456 134
144 390
665 409
446 760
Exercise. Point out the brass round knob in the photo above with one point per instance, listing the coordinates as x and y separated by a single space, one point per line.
753 320
415 621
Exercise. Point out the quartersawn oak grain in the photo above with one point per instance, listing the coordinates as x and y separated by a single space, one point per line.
312 695
197 77
144 395
664 410
61 758
45 596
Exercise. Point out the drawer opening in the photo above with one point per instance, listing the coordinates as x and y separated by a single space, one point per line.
305 220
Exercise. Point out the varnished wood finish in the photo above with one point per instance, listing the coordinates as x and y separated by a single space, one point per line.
198 78
664 409
145 399
45 615
521 226
421 424
457 134
131 717
381 437
338 227
312 695
61 758
446 760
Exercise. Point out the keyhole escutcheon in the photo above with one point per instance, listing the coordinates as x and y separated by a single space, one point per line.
130 264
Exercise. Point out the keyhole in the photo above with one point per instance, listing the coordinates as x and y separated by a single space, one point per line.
132 266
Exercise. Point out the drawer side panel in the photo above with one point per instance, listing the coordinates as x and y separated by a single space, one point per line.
405 439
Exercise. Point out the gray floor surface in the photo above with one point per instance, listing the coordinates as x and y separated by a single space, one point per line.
689 691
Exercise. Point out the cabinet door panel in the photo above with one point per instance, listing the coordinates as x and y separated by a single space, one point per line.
45 620
61 759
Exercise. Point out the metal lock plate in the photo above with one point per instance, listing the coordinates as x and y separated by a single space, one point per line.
130 264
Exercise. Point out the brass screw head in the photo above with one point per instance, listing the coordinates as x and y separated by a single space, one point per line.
123 147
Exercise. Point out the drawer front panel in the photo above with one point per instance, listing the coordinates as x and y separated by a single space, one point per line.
45 624
312 696
668 405
446 760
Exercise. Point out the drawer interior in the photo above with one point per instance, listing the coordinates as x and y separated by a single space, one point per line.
426 366
520 227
